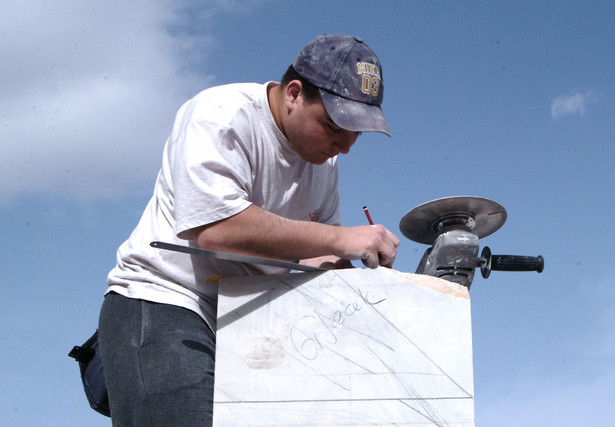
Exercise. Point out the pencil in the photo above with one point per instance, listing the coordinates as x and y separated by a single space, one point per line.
369 218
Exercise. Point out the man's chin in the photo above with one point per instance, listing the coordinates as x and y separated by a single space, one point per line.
324 157
317 160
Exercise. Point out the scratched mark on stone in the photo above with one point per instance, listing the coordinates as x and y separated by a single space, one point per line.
266 353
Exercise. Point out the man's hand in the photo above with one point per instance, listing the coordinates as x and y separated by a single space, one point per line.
374 245
329 262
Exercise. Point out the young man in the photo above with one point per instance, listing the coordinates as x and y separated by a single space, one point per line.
249 169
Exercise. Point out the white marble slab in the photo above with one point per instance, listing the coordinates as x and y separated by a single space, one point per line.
346 347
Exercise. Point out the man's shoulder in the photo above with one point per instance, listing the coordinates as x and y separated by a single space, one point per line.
232 90
224 101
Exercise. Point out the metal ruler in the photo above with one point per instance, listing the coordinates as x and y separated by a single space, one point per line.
235 257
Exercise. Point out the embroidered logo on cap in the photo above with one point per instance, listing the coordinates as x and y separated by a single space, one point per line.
370 83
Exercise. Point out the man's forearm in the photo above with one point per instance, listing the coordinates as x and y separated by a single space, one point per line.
258 232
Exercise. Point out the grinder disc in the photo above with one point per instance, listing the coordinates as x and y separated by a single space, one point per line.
482 216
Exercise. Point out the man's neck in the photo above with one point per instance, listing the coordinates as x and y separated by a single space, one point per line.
274 97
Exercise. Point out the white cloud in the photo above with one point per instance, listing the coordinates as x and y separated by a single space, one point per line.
89 91
573 103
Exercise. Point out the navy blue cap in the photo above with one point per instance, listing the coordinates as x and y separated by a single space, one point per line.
348 75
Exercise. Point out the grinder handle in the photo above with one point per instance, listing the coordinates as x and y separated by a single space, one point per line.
509 263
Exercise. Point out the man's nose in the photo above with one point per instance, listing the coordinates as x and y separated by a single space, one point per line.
346 140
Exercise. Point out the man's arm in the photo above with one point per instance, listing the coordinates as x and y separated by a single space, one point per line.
258 232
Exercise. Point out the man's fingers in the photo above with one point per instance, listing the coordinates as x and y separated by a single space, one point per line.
370 260
386 259
388 251
392 238
374 245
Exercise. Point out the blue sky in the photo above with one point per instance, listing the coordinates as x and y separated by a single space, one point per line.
512 101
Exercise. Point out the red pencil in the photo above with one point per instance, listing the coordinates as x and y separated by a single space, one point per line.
369 218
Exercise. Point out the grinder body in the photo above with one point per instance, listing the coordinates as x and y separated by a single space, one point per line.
453 257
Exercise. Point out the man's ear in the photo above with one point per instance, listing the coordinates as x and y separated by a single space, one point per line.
292 92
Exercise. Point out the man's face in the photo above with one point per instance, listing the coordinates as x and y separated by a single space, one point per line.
313 134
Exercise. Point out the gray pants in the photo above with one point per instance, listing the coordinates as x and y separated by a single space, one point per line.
158 361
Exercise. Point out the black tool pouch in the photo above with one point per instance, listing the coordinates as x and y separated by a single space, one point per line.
92 374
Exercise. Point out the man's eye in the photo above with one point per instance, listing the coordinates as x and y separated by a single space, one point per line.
333 128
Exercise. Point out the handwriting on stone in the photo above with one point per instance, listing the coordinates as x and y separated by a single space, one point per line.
310 334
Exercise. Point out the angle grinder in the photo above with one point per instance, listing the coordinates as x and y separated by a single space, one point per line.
453 227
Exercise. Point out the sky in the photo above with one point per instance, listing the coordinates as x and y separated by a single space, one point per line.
511 101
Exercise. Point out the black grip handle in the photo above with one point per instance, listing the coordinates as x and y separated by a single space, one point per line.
510 263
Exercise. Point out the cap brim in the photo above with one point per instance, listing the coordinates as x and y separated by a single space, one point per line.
353 115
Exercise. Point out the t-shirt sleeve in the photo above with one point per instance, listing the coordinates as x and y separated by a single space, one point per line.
211 173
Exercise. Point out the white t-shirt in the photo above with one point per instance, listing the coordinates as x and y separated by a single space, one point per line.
225 153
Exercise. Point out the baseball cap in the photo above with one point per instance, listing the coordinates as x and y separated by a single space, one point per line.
348 75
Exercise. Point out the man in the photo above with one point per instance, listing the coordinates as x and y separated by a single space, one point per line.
248 169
